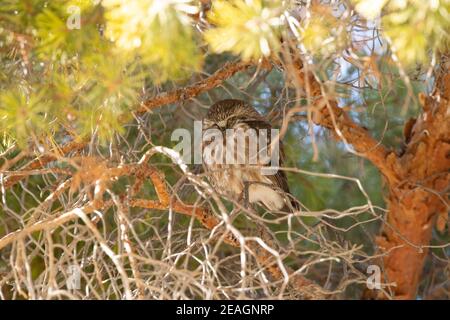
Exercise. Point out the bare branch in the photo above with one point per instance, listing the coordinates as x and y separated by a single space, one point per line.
227 71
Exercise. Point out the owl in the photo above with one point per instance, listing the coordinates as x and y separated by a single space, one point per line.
232 166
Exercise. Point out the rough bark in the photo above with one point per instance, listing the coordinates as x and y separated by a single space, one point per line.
419 198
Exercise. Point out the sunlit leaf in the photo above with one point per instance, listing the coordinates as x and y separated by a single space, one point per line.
159 31
323 33
22 115
370 9
59 36
413 27
247 28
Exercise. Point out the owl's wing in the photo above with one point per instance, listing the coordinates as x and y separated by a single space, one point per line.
279 179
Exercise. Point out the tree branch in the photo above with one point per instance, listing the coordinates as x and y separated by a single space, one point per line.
141 171
44 160
227 71
327 114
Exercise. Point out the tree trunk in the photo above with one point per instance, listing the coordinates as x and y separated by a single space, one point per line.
419 197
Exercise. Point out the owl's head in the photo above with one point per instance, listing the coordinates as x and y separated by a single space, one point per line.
226 114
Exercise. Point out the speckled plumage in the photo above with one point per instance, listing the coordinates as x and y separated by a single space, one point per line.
272 191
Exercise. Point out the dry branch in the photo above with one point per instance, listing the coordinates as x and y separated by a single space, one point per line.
141 171
44 160
215 80
304 287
